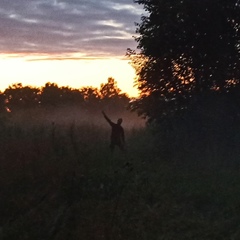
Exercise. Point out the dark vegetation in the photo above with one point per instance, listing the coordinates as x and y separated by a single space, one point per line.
60 181
18 97
187 49
180 175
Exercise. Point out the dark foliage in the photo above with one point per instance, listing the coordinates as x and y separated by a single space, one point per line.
2 103
19 97
187 48
111 96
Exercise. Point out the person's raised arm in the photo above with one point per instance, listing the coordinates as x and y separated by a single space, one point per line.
107 119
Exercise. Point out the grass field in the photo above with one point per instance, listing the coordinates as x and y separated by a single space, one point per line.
59 181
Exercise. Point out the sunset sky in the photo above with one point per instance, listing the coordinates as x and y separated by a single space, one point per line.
70 42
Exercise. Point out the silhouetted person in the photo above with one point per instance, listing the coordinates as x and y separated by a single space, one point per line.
117 135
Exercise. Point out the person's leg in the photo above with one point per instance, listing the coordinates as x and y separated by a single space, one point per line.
121 146
112 147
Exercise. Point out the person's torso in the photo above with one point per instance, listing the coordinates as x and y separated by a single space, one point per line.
117 131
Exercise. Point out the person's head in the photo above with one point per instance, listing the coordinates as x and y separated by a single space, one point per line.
119 121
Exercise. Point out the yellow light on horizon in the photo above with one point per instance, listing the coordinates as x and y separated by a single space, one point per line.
73 73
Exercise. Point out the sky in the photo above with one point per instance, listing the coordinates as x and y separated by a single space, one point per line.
72 43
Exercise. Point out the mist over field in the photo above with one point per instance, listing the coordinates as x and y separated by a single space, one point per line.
68 115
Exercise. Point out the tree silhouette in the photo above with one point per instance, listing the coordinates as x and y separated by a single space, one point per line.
186 48
111 97
18 96
2 103
69 96
91 97
109 89
50 94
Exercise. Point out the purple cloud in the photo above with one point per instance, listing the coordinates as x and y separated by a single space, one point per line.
91 28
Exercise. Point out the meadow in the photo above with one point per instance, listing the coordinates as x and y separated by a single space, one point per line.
58 180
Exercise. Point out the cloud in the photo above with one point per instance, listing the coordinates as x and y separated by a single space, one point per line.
91 28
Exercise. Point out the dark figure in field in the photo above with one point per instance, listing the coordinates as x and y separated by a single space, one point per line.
117 135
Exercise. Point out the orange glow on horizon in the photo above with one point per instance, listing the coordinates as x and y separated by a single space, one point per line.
74 73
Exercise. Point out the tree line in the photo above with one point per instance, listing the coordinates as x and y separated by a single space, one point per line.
18 97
